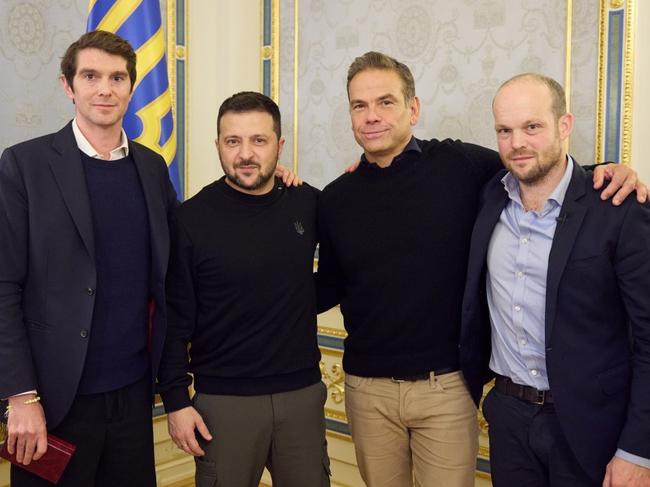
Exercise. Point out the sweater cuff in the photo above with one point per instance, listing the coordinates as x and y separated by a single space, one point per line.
640 461
175 399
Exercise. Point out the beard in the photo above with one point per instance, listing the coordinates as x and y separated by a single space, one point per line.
544 164
261 180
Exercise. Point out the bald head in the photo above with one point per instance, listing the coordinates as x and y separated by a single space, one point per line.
556 93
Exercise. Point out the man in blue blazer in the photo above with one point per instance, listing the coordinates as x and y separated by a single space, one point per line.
557 306
84 239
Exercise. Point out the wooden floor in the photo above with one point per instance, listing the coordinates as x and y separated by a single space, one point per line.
190 483
183 483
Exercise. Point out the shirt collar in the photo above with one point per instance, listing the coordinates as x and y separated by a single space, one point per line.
557 195
411 146
86 147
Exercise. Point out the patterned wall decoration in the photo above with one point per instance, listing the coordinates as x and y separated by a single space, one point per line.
459 53
33 36
584 73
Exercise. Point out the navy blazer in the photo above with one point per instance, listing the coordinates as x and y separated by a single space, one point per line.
47 265
597 319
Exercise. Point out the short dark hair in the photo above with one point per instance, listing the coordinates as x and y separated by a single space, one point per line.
378 60
251 101
104 41
558 97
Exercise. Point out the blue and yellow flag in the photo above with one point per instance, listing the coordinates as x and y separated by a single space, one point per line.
149 117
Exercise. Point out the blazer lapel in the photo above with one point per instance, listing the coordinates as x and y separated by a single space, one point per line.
488 216
154 200
68 171
566 231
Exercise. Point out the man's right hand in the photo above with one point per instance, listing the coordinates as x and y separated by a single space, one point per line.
26 431
182 424
353 167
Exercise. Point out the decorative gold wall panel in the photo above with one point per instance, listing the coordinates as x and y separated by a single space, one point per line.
615 80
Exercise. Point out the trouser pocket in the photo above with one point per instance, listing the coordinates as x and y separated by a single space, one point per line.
206 473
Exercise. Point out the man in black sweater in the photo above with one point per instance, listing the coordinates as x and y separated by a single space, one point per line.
240 292
394 238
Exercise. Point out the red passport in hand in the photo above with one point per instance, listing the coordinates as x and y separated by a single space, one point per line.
51 465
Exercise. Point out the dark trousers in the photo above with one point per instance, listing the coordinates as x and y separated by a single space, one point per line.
114 437
284 432
528 447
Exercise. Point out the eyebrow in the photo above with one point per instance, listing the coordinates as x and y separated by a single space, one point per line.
93 71
237 136
387 96
537 121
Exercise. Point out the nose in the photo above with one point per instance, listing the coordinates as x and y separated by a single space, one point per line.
103 87
518 139
245 150
372 114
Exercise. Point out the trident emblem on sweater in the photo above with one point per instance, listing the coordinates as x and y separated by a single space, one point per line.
300 230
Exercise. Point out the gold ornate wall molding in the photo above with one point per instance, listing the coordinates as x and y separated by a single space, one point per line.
615 80
270 55
176 52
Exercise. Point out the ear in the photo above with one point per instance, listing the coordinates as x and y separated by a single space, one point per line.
69 92
280 146
414 108
565 125
216 143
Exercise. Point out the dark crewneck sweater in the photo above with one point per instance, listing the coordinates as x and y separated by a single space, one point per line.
117 352
393 250
240 289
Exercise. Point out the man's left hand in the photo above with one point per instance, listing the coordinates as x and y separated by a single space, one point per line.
621 473
622 181
289 178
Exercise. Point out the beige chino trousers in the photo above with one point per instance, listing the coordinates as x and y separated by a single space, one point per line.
422 433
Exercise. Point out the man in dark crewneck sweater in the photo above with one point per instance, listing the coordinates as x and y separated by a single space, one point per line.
394 238
84 239
240 293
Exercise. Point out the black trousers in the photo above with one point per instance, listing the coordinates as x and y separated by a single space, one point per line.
114 436
528 447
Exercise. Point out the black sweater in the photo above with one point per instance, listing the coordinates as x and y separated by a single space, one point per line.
393 251
240 289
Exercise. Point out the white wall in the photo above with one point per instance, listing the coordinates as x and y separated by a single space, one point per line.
641 93
224 39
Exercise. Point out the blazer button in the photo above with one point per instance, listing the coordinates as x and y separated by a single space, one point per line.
83 333
90 291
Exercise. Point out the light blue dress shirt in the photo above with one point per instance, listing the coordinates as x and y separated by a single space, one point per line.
517 264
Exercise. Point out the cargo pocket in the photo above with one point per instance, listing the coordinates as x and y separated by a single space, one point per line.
206 473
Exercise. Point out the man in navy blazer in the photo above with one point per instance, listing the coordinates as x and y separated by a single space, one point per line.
557 306
84 239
